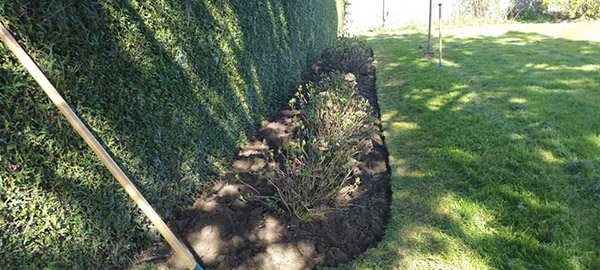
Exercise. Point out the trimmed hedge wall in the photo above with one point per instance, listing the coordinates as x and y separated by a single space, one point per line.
171 88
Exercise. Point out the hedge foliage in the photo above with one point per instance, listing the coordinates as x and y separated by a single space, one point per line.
558 10
572 9
171 88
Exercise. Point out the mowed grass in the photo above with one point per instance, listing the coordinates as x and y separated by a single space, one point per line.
495 156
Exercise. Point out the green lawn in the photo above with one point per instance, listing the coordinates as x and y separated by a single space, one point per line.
495 156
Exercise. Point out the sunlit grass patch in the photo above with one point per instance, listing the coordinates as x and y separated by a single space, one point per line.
503 169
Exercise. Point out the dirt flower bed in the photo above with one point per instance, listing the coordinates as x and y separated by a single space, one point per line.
239 226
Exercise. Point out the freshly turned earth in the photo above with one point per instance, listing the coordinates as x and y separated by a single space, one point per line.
225 231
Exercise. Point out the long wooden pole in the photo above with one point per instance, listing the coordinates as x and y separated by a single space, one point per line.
440 31
91 141
429 31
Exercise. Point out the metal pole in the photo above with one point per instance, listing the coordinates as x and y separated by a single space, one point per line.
429 53
440 31
91 141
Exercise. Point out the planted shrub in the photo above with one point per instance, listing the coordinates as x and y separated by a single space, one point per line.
333 113
334 126
349 55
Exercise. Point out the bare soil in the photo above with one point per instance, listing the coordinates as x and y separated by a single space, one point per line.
226 229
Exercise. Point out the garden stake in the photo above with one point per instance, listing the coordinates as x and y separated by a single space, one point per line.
429 53
440 31
66 110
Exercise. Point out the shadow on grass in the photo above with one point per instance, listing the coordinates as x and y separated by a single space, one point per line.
479 148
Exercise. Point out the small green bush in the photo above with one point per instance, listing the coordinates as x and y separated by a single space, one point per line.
349 55
571 9
335 126
587 9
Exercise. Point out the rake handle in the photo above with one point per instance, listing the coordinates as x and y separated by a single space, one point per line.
440 31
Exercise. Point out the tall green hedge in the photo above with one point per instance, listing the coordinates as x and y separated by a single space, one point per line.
172 88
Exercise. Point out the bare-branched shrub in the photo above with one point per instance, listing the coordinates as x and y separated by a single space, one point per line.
485 9
335 126
348 55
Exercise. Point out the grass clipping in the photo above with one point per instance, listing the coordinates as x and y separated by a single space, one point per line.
334 126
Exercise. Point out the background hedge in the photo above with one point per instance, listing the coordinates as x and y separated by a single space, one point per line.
171 88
